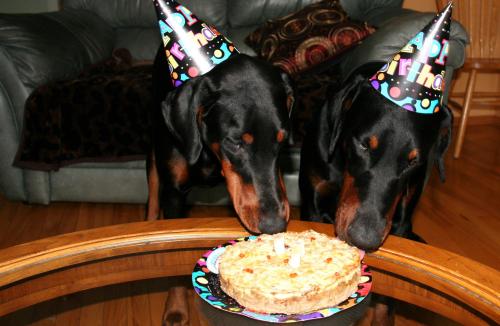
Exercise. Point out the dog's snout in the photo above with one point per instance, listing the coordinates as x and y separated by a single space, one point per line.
365 234
272 225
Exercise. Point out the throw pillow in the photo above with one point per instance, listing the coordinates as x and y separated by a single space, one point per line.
308 37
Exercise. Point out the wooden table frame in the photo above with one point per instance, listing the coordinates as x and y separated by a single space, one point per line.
446 283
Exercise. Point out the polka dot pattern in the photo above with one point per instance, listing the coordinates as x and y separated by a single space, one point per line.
414 78
192 47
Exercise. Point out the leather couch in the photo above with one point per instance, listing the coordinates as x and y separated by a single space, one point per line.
39 48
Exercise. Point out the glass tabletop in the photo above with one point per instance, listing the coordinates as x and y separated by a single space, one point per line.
72 268
142 303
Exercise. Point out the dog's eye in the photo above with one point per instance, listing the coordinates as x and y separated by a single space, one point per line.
236 145
363 147
413 158
233 146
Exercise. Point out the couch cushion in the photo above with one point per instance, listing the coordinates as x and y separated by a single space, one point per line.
359 9
135 23
255 12
308 37
141 13
52 46
102 116
140 41
238 35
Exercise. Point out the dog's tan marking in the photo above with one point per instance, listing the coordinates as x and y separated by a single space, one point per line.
324 188
289 102
314 179
389 215
413 155
215 149
321 186
178 168
284 197
199 115
410 192
347 104
280 136
349 204
247 138
373 142
153 190
244 197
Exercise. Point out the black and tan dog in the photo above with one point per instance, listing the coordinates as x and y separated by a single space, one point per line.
228 124
365 161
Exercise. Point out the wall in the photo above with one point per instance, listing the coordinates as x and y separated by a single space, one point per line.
420 5
27 6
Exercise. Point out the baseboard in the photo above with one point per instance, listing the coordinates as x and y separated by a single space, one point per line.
480 114
478 118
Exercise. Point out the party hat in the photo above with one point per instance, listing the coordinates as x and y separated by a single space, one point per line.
414 78
192 46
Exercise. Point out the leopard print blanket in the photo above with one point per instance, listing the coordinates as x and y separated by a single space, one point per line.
104 115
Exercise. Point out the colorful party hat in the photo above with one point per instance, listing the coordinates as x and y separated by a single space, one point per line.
414 78
192 46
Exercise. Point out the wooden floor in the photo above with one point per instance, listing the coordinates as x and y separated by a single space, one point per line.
461 215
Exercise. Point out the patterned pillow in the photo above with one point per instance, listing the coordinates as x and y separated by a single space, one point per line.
312 35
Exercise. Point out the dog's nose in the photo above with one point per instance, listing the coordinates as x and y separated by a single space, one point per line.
272 225
365 235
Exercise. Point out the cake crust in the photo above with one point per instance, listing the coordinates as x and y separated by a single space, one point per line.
264 278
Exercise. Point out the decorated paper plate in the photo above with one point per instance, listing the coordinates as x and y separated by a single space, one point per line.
206 283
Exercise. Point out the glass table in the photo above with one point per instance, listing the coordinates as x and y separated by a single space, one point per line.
445 283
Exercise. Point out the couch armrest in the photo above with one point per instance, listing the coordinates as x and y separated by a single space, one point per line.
36 49
12 97
50 46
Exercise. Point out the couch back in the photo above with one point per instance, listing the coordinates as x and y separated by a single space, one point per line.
51 46
136 27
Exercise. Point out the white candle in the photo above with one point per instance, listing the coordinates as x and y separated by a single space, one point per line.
294 261
297 251
279 245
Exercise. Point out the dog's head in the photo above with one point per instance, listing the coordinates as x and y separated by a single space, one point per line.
240 112
385 150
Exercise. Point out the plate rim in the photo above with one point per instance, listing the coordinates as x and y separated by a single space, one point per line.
365 270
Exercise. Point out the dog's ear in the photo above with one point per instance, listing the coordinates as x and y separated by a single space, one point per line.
180 110
338 106
290 98
444 140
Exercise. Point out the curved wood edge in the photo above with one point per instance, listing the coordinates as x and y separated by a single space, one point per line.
473 284
33 258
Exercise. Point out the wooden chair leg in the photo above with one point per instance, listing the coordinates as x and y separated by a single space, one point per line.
465 113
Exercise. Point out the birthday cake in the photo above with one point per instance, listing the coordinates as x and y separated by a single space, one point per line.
290 273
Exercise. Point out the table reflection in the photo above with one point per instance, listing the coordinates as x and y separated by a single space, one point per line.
217 317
